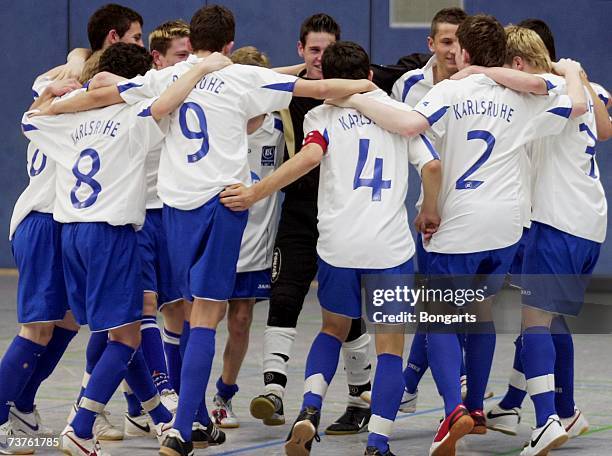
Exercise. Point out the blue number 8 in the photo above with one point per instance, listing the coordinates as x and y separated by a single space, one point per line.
201 134
86 179
36 171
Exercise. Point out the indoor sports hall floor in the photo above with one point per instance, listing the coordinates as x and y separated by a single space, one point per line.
413 433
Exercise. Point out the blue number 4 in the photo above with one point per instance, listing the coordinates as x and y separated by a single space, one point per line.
590 149
462 182
376 183
189 134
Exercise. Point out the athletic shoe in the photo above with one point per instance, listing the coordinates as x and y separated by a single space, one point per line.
502 420
353 421
463 381
222 414
373 451
29 423
170 400
480 422
456 425
8 447
174 445
73 445
303 432
205 436
409 402
269 408
138 426
162 430
576 424
548 437
102 429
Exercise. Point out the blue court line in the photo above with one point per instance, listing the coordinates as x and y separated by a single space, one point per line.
279 442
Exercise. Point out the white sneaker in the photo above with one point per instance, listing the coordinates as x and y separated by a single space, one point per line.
502 420
138 426
548 437
73 445
162 430
409 402
103 429
7 431
30 423
576 424
170 400
222 414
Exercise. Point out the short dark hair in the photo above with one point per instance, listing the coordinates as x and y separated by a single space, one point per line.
107 18
211 28
543 30
484 38
126 60
320 22
447 16
346 60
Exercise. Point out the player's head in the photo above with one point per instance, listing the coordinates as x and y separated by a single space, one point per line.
442 38
346 60
169 43
543 30
126 60
250 55
525 51
481 41
316 33
212 29
112 24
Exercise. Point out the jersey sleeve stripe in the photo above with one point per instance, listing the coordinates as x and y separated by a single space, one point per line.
130 85
282 86
35 94
549 85
409 83
278 124
435 116
28 127
145 112
430 147
561 111
603 98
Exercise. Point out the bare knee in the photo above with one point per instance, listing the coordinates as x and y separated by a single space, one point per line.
68 322
127 335
39 333
336 325
239 318
173 316
149 304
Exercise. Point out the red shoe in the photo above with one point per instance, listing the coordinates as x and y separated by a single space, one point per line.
455 426
480 422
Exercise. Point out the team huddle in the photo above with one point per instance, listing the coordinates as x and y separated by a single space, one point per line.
154 187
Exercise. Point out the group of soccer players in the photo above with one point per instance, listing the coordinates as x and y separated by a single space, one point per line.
154 179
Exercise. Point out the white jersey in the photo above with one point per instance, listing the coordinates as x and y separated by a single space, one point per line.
527 178
568 194
363 222
151 170
481 127
39 195
206 147
266 146
100 161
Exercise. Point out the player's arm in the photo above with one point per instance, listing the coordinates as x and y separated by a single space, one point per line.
85 101
255 124
513 79
73 67
570 70
57 88
104 79
292 70
331 88
428 220
602 118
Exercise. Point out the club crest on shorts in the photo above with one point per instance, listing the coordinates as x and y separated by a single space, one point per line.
276 264
267 155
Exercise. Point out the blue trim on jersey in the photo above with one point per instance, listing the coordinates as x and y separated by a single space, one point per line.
35 94
28 127
603 98
437 115
145 112
410 82
86 84
326 136
278 124
282 86
431 148
128 86
549 85
561 111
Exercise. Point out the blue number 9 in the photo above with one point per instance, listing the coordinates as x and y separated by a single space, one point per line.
189 134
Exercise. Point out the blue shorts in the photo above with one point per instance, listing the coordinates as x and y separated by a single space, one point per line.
253 284
556 269
157 275
205 244
37 249
516 267
486 270
340 288
421 255
103 278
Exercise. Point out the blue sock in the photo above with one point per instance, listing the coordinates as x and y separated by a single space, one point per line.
17 366
202 414
153 351
226 391
538 357
514 396
444 354
105 378
386 398
184 338
45 366
95 347
417 362
462 339
137 376
322 359
479 350
564 368
173 357
133 404
197 364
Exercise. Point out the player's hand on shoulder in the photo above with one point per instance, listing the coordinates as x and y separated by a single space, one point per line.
215 62
564 66
61 87
237 197
468 71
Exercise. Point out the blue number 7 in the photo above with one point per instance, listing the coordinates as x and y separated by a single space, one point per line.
462 182
376 183
201 134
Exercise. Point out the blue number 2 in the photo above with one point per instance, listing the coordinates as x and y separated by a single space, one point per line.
189 134
86 179
462 182
590 149
376 182
43 162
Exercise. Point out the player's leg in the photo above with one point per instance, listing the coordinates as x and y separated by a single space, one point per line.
173 313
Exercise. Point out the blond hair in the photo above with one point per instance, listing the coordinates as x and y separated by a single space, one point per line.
162 36
250 55
527 44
